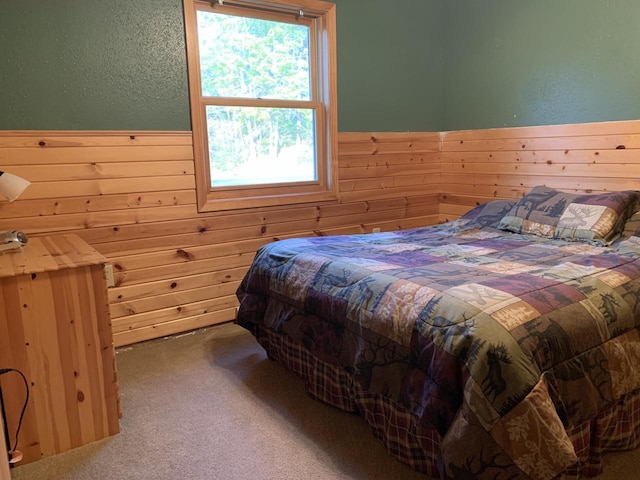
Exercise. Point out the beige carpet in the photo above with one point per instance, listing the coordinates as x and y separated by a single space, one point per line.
209 405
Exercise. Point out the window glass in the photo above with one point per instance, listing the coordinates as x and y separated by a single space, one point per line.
262 79
249 145
253 58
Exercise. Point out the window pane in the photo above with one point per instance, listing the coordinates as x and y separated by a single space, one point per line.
254 145
253 58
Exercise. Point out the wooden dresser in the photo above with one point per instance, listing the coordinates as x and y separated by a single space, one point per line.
56 329
4 466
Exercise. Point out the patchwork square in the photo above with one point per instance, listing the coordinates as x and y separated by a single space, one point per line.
480 296
515 314
401 304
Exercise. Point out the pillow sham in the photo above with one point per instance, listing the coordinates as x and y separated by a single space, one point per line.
632 227
488 214
546 212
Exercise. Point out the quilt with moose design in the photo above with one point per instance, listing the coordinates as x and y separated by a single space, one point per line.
501 341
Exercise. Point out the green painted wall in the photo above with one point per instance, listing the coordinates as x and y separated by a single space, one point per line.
93 65
390 65
121 64
403 65
525 62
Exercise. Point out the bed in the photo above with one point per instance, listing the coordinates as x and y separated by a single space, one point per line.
501 345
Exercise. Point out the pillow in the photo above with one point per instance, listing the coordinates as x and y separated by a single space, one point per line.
546 212
632 227
488 214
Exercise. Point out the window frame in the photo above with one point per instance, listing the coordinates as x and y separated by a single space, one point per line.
320 16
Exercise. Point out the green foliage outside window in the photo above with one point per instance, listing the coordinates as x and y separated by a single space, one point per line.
249 58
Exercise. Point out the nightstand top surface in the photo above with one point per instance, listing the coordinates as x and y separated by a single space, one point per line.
49 253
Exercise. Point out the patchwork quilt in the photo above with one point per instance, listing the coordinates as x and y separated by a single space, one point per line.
501 341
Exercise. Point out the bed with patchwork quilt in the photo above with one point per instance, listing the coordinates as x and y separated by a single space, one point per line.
502 345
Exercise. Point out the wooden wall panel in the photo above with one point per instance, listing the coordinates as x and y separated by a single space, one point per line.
131 195
387 165
482 165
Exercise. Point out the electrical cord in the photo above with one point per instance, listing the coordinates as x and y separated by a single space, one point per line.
24 407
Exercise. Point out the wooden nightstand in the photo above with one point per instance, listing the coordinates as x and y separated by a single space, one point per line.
56 329
4 466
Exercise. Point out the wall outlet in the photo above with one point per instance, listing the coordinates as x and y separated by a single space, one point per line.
375 230
108 271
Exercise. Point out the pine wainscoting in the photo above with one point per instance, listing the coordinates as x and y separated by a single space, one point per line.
131 195
505 163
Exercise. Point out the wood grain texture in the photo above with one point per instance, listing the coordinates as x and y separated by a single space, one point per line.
131 196
4 466
55 328
482 165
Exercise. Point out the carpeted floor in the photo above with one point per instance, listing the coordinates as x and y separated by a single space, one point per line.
209 405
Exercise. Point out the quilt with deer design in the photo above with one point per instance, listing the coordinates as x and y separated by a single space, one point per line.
500 341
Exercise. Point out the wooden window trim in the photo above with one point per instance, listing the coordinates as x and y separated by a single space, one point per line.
323 16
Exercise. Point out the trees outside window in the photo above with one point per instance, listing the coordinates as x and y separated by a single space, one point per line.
262 85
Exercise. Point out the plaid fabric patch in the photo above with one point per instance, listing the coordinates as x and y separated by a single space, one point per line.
323 381
617 429
389 422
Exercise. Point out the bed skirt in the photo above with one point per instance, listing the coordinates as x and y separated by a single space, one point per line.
617 429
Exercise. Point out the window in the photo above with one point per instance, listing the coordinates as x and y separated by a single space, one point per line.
263 101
